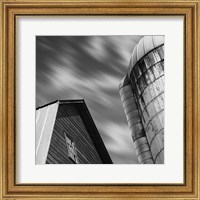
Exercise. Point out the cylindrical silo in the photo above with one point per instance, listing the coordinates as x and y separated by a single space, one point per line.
134 122
146 75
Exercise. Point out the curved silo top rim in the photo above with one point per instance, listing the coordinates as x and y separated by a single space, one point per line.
143 47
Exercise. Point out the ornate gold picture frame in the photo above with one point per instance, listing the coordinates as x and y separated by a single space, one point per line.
10 10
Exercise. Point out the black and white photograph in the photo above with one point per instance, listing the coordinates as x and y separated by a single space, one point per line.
99 99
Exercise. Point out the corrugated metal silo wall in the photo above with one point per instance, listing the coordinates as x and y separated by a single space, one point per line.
69 121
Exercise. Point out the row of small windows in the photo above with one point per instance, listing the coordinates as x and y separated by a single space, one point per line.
150 92
151 75
147 78
149 60
152 99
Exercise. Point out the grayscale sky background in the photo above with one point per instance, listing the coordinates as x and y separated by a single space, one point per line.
89 68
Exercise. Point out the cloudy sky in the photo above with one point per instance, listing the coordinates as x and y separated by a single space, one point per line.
89 68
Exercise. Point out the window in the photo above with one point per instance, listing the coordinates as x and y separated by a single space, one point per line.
159 68
141 83
152 58
156 56
147 62
133 79
142 66
151 75
71 148
156 71
147 78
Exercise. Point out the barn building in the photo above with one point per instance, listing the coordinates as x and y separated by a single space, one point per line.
66 134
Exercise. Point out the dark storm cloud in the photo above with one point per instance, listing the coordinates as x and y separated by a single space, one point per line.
89 68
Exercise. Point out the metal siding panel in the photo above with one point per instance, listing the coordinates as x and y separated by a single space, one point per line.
40 123
44 130
37 115
68 120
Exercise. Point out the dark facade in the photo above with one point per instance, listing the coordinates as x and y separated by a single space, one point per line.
142 95
66 134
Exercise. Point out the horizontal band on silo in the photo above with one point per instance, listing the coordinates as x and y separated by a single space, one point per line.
142 148
128 102
126 88
132 114
133 104
160 157
148 161
136 127
126 95
130 107
145 155
137 135
140 141
122 91
125 98
134 120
